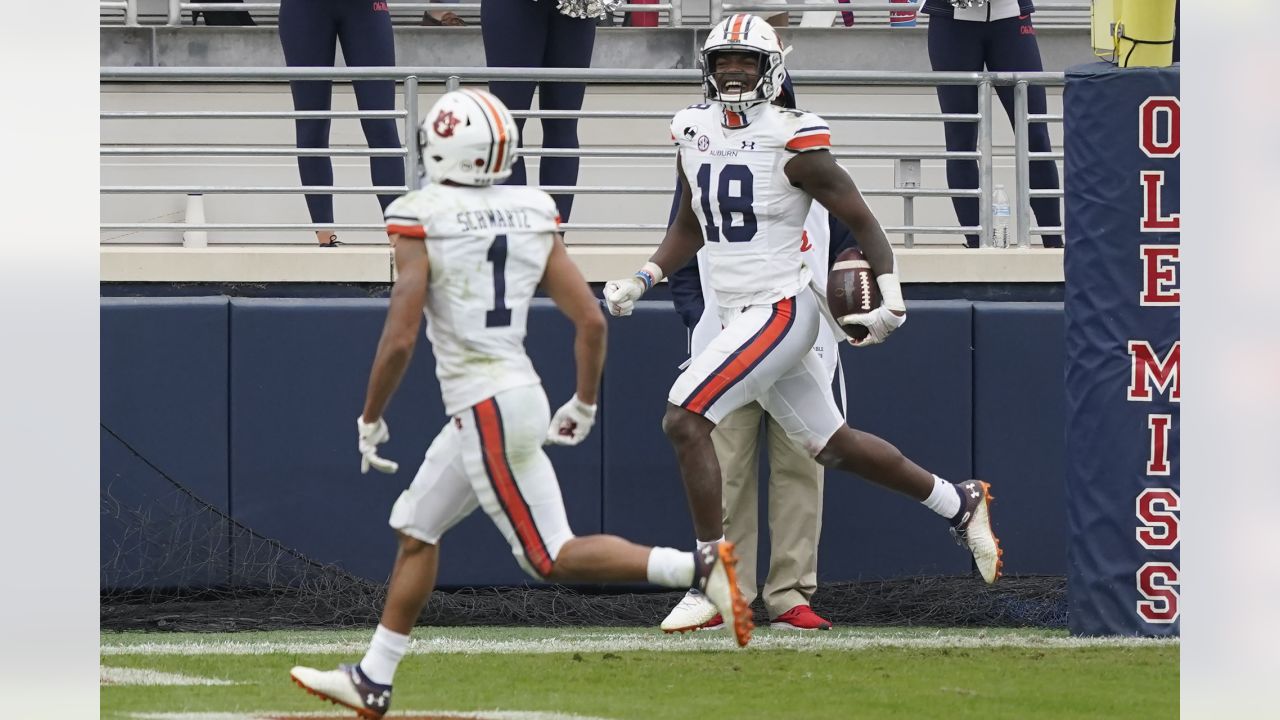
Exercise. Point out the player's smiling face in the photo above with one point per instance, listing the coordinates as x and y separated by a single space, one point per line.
736 72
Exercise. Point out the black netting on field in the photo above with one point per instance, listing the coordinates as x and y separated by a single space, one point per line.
158 536
1033 601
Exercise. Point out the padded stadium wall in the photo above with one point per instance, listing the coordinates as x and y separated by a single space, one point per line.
248 404
1123 349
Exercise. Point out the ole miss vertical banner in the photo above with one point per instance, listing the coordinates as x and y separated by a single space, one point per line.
1123 377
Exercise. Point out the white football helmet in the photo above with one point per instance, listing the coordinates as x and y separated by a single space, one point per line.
468 137
744 33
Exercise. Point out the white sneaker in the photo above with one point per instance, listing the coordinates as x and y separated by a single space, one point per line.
716 575
346 686
693 612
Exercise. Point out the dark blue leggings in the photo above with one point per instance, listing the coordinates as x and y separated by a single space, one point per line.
1002 46
524 33
309 32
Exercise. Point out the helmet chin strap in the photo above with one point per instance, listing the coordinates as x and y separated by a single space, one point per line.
734 119
742 106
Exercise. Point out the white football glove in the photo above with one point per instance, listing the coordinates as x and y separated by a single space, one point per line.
879 323
571 423
882 321
371 436
620 296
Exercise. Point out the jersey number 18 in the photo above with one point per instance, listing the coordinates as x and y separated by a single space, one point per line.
727 203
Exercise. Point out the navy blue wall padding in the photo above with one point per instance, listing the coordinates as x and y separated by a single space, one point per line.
1018 430
298 382
644 499
163 391
251 403
1107 435
916 392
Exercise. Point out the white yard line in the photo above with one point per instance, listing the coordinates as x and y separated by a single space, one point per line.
268 715
605 642
143 676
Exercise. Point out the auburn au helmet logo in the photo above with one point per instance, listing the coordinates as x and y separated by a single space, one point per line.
444 123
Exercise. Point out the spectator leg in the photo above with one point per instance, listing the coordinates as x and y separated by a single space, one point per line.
515 35
795 522
571 44
367 41
308 35
215 18
737 443
956 45
1014 49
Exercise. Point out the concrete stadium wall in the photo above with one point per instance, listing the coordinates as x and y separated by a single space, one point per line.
249 404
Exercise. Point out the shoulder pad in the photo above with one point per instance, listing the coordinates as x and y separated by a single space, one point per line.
403 217
806 131
684 125
540 205
545 205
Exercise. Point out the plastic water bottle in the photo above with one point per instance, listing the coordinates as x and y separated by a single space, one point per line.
195 216
1000 218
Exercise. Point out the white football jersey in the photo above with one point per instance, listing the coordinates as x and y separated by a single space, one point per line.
752 217
487 248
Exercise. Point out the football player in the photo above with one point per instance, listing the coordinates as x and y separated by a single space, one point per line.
795 478
750 171
469 255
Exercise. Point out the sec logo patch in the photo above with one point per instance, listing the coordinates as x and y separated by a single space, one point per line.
704 143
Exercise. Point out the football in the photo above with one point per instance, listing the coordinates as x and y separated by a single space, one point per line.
852 289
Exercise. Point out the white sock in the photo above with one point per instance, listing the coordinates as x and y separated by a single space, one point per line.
669 567
944 499
702 544
385 651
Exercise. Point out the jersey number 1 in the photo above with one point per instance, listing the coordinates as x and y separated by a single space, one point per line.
728 203
500 315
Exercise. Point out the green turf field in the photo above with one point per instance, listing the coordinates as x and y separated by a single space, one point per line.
514 673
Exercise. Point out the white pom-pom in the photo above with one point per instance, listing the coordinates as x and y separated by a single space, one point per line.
585 9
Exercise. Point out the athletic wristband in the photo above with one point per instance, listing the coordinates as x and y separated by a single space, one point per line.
650 274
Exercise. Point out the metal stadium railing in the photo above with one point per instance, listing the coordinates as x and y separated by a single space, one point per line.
1048 12
268 12
128 10
1069 13
410 80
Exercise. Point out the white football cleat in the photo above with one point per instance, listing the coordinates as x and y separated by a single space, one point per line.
346 686
973 529
716 575
693 612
